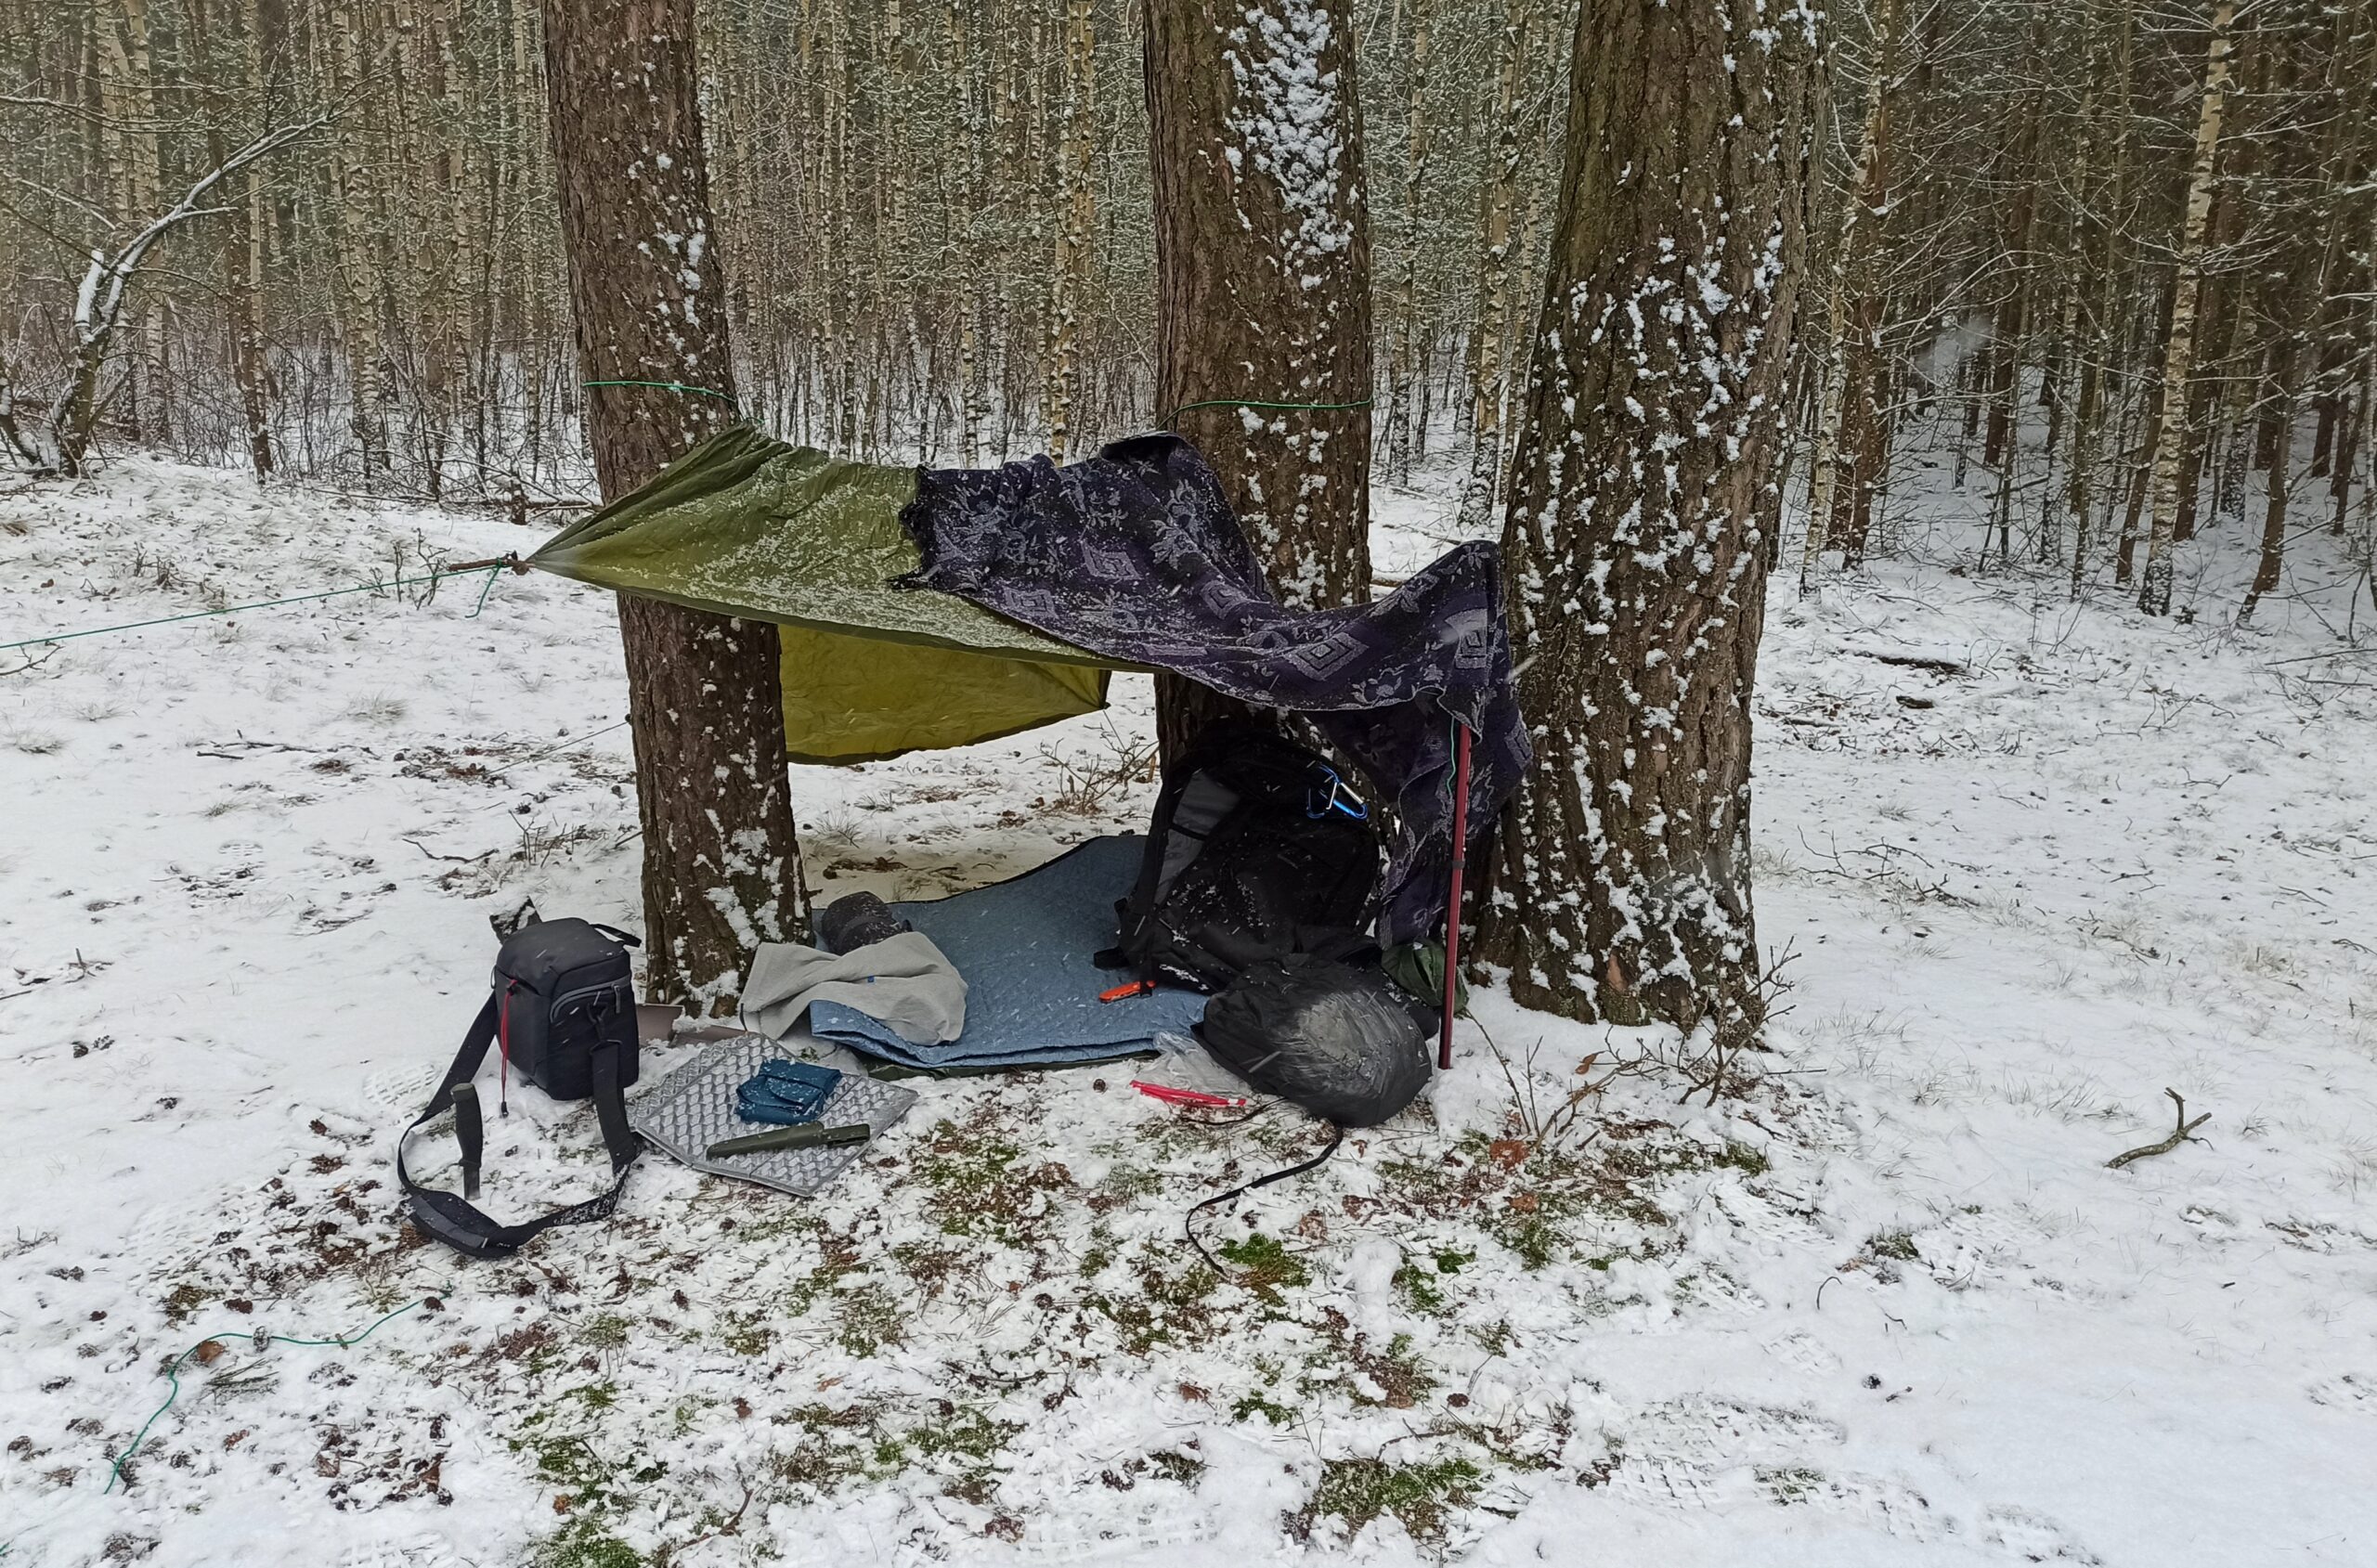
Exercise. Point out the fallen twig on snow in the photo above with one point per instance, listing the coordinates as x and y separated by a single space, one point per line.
33 661
2185 1132
1914 661
224 748
458 860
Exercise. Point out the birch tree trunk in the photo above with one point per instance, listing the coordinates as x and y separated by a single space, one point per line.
358 262
2178 353
1643 494
722 866
1263 260
1487 389
2100 218
1860 213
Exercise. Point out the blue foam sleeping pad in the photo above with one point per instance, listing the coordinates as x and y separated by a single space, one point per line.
1025 947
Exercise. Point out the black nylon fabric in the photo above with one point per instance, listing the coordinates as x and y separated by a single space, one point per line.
1134 554
1269 875
1338 1041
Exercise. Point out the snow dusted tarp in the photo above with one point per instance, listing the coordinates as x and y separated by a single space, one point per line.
744 525
1134 554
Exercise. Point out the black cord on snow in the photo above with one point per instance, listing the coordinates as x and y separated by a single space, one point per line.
1188 1221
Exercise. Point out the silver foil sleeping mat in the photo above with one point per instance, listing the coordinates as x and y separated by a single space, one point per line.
693 1107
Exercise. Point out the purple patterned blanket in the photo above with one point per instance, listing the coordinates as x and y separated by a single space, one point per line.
1133 554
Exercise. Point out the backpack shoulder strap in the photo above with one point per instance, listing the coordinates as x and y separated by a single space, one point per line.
1135 907
453 1219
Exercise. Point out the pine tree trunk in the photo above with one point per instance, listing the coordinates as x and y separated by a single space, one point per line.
2062 425
2286 392
243 256
1867 434
1406 372
2171 443
1075 147
722 867
961 252
2352 430
1643 494
2009 324
153 376
1262 245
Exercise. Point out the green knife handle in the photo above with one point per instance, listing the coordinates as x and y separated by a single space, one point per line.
807 1136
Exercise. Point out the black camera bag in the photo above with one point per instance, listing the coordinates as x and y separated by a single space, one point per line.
561 1007
563 988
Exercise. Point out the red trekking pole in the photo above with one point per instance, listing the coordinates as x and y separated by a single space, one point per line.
1452 898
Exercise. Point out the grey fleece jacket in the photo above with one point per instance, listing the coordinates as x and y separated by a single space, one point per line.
905 980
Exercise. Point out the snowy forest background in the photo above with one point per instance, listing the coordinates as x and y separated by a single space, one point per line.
937 223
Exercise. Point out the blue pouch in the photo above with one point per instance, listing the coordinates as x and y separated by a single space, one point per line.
786 1094
822 1079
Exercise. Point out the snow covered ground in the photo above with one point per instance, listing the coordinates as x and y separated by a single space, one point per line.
1889 1307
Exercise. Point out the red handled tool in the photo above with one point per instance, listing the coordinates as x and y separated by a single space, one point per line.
1189 1096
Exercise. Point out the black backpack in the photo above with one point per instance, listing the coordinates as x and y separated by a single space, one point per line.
562 1011
1257 849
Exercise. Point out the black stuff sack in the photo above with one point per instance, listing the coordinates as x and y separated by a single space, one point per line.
1338 1041
857 920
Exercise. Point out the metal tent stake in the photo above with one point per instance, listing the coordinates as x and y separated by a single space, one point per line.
1452 896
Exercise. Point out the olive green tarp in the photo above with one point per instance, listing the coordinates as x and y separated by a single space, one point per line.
744 525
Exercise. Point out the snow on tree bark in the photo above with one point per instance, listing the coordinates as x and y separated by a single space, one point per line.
1068 277
1262 263
1644 493
704 693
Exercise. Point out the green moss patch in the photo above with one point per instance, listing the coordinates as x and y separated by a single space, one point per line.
1418 1494
583 1543
1265 1266
983 1185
